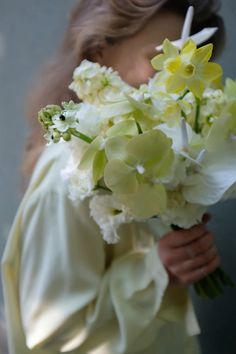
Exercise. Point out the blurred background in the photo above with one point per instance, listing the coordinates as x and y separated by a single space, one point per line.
30 31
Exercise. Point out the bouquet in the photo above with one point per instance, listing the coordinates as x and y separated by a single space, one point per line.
166 149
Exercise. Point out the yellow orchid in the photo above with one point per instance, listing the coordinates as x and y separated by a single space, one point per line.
187 69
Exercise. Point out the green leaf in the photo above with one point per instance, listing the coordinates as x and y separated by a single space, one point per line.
99 164
89 154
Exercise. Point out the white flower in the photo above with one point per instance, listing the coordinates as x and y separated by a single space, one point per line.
181 213
97 84
215 176
230 193
109 214
181 139
214 102
80 184
49 136
89 120
179 175
66 120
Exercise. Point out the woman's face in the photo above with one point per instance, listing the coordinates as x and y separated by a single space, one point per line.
131 56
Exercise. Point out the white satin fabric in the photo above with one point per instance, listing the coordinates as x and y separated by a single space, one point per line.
66 290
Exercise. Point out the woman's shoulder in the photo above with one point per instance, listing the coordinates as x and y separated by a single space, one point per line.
47 171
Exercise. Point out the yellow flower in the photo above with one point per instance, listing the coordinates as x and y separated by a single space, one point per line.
187 69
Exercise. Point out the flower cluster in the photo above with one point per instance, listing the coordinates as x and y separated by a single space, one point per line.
95 84
166 149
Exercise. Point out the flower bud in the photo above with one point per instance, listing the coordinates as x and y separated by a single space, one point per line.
66 136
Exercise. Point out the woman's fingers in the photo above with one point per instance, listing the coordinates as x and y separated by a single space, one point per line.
189 251
201 245
189 255
183 237
200 273
195 263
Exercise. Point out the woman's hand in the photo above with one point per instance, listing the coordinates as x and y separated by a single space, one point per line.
189 255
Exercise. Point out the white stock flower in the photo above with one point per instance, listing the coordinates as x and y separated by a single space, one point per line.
97 84
80 184
214 103
109 214
181 213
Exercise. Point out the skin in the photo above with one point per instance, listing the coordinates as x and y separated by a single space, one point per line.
185 252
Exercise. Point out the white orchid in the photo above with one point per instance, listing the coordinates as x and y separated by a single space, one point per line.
217 174
64 121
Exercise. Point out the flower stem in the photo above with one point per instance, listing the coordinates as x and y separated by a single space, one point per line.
81 136
197 115
98 186
183 95
199 290
139 128
223 277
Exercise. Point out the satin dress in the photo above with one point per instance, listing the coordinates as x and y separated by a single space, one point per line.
67 291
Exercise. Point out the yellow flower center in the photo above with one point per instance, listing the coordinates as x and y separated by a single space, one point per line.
189 70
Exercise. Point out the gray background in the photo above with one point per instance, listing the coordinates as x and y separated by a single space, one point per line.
29 33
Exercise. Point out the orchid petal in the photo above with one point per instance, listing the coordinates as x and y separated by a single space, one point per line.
217 175
120 178
148 201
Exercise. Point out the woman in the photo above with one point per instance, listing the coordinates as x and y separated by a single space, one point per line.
64 289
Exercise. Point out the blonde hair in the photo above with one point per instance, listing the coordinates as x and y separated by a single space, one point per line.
92 24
